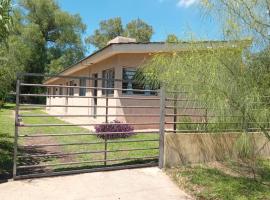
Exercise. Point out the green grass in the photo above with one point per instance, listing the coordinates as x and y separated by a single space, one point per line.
87 138
6 140
213 183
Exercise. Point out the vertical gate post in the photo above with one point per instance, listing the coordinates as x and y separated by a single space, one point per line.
17 121
106 121
161 127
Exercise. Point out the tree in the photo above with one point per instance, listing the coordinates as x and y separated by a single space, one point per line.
44 39
54 36
139 30
5 19
109 29
242 18
171 38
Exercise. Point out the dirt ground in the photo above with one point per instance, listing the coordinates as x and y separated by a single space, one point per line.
133 184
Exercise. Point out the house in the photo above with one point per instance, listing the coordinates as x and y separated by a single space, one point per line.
114 67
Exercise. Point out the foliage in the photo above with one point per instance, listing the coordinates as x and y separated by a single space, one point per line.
6 141
171 38
242 18
218 79
139 30
111 28
5 19
225 182
44 39
122 130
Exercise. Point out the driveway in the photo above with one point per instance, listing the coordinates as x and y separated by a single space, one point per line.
131 184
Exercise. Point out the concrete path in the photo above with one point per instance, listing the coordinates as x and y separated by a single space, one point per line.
133 184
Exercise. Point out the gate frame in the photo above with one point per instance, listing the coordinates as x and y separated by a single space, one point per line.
161 130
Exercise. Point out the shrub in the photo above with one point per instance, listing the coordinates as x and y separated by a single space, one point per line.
122 130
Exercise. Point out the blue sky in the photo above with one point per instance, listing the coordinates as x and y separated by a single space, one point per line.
181 17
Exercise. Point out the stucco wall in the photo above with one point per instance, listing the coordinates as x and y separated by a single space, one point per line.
181 149
118 62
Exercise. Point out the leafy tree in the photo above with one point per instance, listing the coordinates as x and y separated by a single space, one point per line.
219 80
5 19
108 29
44 39
53 35
111 28
242 17
171 38
139 30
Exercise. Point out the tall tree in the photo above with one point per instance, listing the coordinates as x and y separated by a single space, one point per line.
5 19
171 38
108 29
53 35
111 28
242 18
139 30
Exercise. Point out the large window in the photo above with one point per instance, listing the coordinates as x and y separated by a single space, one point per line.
82 91
71 89
108 80
131 86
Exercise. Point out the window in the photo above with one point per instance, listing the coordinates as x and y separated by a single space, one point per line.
95 85
82 91
108 81
54 92
131 86
60 90
49 91
71 89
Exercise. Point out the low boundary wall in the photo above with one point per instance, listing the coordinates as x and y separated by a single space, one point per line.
189 148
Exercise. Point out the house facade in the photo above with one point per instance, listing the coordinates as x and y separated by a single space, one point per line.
113 67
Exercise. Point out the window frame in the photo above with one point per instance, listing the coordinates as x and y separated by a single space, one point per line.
108 82
82 83
130 82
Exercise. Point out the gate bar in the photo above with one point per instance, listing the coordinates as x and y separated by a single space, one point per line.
97 169
79 134
16 128
42 125
84 152
83 162
86 143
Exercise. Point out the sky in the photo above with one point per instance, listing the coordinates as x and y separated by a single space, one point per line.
183 18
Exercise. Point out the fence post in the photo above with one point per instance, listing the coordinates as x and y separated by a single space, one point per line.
106 121
17 121
161 127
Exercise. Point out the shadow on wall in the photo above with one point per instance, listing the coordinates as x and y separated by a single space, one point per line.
182 149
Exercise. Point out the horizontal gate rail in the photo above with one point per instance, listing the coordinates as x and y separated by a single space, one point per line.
83 162
78 171
86 134
87 143
84 152
82 87
96 124
89 97
80 106
111 115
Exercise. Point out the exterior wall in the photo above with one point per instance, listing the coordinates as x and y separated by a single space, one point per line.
181 149
118 62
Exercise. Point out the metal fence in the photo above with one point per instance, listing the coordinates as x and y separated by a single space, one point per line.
56 126
67 125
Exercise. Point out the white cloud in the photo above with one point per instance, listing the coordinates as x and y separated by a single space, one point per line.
186 3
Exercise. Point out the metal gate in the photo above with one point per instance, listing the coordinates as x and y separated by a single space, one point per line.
76 124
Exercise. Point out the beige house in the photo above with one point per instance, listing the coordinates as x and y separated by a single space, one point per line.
119 61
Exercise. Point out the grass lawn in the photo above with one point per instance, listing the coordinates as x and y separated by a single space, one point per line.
223 181
6 140
7 121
